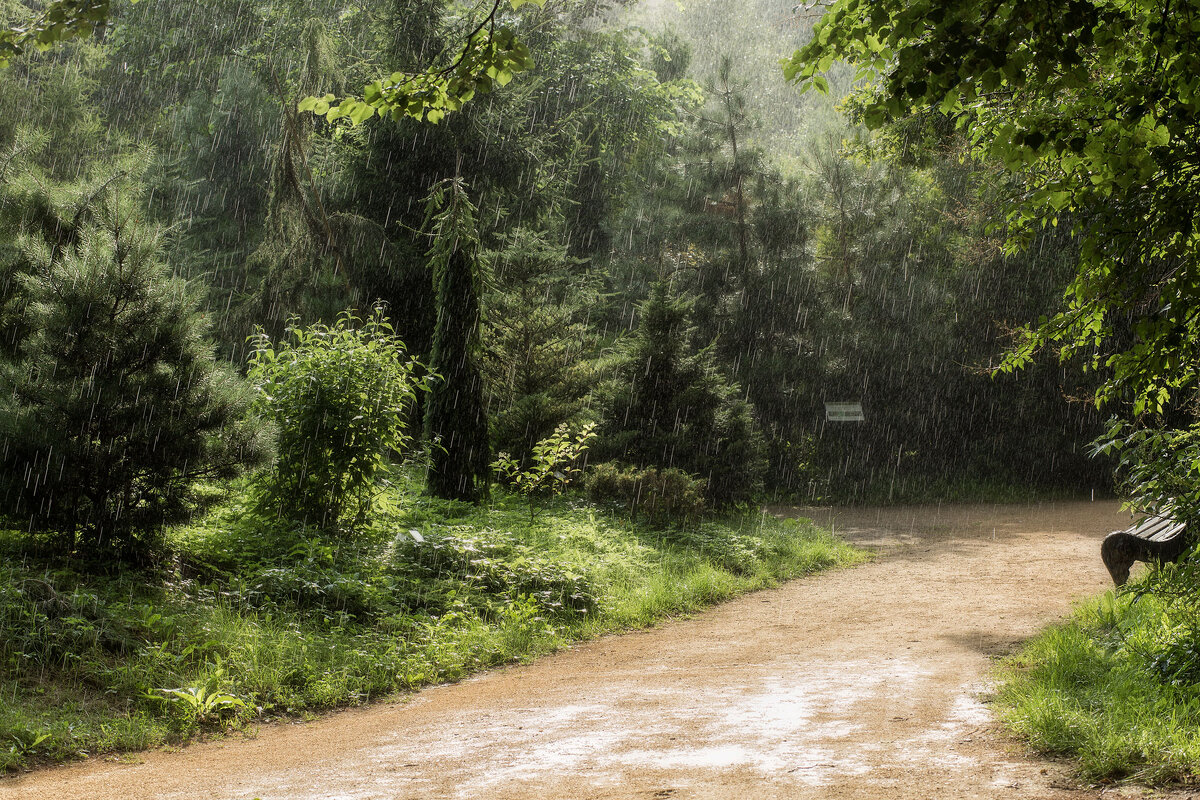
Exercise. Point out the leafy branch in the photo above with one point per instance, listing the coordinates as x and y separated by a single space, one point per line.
60 21
489 57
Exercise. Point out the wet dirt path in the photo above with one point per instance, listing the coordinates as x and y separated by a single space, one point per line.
862 683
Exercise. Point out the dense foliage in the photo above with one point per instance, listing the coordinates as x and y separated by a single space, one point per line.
830 267
1092 105
340 397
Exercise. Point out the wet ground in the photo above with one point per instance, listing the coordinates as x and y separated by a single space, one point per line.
863 683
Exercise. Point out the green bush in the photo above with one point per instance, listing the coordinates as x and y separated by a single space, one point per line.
1167 645
658 495
340 396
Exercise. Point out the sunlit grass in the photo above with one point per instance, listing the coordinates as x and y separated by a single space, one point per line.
292 623
1083 689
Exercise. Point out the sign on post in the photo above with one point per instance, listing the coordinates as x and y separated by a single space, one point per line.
844 412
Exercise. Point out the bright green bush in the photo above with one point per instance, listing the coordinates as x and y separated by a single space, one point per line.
340 396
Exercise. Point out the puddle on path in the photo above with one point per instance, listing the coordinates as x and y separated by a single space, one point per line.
813 726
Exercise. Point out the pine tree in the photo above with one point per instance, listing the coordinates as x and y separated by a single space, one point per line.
112 405
455 420
669 406
535 344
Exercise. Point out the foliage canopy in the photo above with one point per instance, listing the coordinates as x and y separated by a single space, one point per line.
489 56
1095 106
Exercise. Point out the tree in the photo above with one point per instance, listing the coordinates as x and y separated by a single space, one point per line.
668 406
1088 101
1092 104
113 403
535 346
455 421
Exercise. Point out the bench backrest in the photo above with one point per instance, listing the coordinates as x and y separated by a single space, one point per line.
1158 529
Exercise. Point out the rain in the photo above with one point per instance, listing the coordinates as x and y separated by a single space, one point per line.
351 347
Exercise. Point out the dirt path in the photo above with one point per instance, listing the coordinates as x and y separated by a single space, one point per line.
860 683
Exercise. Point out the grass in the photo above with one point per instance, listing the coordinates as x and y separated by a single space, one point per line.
251 620
1114 688
966 489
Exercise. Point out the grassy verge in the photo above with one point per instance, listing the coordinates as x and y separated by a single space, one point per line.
1115 688
250 622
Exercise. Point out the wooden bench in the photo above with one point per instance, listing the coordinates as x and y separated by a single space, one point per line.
1157 538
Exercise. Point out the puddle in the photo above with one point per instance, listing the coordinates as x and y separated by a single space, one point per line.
803 727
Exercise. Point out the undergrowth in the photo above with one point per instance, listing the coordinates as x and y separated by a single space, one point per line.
918 489
251 620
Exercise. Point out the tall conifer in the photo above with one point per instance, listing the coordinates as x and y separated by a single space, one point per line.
455 420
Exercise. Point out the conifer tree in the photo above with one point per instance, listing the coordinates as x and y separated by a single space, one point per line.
535 343
112 404
669 406
455 420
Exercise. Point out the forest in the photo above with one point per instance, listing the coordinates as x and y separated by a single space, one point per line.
348 346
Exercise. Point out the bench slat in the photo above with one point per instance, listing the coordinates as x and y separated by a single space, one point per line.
1150 527
1168 533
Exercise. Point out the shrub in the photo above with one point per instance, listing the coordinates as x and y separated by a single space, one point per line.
1167 644
340 396
555 463
660 495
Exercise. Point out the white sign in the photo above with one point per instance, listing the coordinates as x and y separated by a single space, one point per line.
844 412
